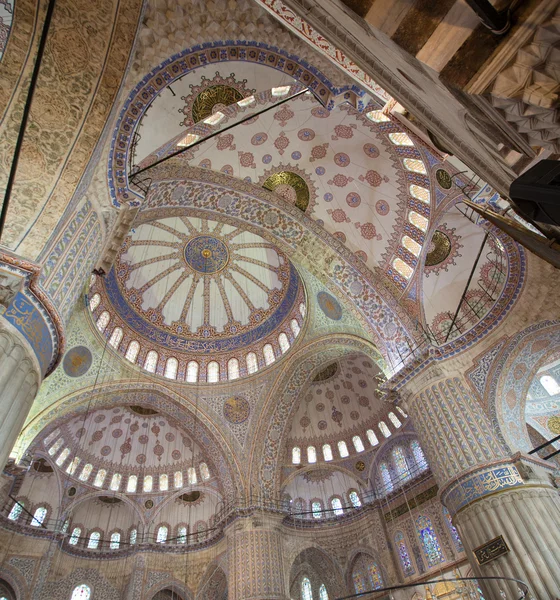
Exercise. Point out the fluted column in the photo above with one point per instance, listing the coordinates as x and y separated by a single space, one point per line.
487 492
20 377
256 562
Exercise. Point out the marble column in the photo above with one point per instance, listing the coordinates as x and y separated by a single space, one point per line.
255 558
20 376
487 492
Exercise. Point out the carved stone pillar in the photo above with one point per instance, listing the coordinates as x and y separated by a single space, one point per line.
256 562
20 376
483 488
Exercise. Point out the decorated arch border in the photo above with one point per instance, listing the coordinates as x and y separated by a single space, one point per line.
202 429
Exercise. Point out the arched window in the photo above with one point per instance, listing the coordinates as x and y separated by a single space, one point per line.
133 536
151 361
306 592
191 474
386 477
82 592
252 363
327 452
336 505
375 578
73 465
100 478
178 479
342 449
414 165
204 471
316 509
115 482
51 437
295 327
418 220
94 302
358 444
171 367
453 530
311 454
302 310
418 454
192 372
384 429
55 447
377 116
394 419
268 353
86 472
76 533
429 541
355 499
62 457
132 484
115 541
296 455
401 411
181 534
299 506
200 531
148 483
420 193
283 342
103 321
163 482
233 369
93 542
399 461
213 372
411 245
401 139
403 268
323 593
132 351
372 438
550 385
116 337
404 557
16 511
39 517
161 535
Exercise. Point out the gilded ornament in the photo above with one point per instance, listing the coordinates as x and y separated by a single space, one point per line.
291 186
212 100
444 179
149 504
328 372
440 247
236 410
360 466
553 425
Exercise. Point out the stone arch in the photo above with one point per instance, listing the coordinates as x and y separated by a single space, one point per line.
214 583
12 584
319 567
197 423
169 589
363 554
510 376
282 400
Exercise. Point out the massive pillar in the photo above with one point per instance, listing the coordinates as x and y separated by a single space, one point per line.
488 493
20 376
256 563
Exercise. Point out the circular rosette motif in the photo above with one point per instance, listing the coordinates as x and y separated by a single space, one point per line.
206 254
236 410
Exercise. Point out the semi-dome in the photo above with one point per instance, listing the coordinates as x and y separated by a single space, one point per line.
199 300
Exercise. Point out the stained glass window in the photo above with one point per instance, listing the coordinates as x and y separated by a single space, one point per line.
403 268
65 526
39 516
337 506
252 363
401 139
342 449
311 454
191 474
377 116
360 583
151 361
163 482
100 478
178 479
86 472
116 337
76 533
103 321
181 535
115 541
550 385
82 592
295 327
306 592
429 541
73 465
115 482
94 538
233 369
132 351
148 483
316 509
16 511
54 448
375 576
133 536
411 245
192 372
400 463
171 367
453 530
414 165
327 452
51 437
372 438
404 557
132 484
63 456
268 352
161 535
283 342
384 429
358 444
418 220
418 454
204 471
323 593
420 193
296 455
386 477
355 499
402 412
213 372
394 419
94 302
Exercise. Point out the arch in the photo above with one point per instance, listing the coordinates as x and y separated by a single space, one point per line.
314 563
172 589
365 572
213 585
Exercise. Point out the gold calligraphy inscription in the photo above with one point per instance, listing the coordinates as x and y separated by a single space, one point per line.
491 550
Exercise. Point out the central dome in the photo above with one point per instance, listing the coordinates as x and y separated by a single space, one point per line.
201 289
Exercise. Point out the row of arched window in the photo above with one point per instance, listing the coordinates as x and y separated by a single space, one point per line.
342 446
316 508
38 519
307 590
404 463
415 219
116 481
233 367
